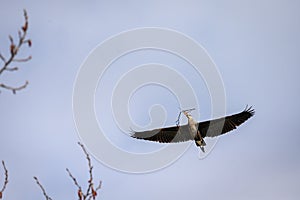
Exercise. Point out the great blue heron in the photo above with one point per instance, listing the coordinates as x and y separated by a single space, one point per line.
194 130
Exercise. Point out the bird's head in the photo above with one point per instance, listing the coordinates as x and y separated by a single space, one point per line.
187 113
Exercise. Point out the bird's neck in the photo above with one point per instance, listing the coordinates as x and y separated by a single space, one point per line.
191 121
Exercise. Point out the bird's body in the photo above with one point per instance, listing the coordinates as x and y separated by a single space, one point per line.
194 130
192 124
195 133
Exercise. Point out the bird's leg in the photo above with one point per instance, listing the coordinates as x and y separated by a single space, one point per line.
202 149
201 143
201 140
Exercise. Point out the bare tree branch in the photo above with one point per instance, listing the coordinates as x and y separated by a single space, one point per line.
21 60
14 49
14 89
12 69
90 181
5 180
91 192
2 58
42 188
178 119
74 179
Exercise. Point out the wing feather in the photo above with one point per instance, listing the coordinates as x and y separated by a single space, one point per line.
223 125
166 135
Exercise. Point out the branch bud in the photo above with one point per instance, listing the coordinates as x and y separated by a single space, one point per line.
12 49
25 27
79 194
29 43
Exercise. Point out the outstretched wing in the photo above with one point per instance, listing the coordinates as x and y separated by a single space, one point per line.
223 125
166 135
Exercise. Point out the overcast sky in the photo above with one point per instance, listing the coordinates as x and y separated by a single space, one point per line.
255 46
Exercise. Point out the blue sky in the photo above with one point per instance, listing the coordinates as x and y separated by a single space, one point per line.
254 44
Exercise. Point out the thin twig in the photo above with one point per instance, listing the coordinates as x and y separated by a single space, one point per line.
14 49
91 192
99 186
189 110
5 179
22 59
12 69
74 179
2 58
178 119
90 181
14 89
42 188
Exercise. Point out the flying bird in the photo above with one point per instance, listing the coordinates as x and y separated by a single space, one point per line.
194 130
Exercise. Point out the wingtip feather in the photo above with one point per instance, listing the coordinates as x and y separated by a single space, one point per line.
250 110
